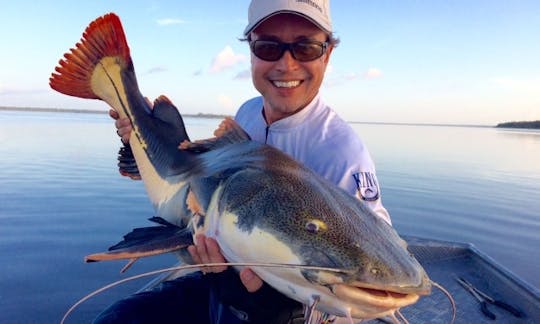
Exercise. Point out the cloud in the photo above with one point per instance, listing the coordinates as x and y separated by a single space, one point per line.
225 59
170 21
197 73
243 75
332 78
373 73
350 76
156 69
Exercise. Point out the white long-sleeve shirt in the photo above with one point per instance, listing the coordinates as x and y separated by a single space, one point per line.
317 137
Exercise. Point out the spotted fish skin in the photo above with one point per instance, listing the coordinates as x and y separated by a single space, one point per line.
256 201
276 210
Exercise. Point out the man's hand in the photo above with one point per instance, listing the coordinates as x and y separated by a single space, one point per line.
251 281
206 250
123 126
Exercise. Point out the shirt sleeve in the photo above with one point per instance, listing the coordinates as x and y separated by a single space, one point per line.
360 180
376 204
347 162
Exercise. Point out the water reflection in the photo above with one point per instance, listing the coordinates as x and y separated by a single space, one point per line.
61 198
478 185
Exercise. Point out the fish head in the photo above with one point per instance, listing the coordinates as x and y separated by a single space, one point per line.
379 274
299 219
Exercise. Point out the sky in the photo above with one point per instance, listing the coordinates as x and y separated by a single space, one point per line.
472 62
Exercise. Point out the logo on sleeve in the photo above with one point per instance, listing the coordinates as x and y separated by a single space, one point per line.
367 185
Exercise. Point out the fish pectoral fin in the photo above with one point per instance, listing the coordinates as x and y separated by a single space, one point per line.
146 241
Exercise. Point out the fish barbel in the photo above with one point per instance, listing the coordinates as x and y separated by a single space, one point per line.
257 202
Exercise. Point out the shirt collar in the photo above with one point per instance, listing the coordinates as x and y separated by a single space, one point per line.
301 117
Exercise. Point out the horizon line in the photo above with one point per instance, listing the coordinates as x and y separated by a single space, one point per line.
211 115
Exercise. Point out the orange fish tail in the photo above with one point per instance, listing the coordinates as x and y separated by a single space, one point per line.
103 37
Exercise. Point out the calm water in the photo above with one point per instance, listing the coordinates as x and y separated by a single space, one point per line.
61 198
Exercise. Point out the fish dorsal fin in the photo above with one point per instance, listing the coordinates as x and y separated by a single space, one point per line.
165 111
228 132
103 37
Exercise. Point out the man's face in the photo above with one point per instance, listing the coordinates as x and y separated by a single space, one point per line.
287 85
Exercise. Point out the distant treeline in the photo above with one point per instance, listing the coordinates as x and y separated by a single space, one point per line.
90 111
82 111
515 124
520 124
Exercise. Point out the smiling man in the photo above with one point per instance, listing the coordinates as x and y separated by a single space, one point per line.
291 42
288 62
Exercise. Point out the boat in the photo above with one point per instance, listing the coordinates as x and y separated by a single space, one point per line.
445 262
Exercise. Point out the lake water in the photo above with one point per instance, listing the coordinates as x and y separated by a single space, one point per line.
61 198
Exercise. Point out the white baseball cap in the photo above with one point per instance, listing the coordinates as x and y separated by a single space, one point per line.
316 11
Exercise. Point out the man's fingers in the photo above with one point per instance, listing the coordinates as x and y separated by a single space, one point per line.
200 247
113 114
214 254
122 123
206 250
123 128
251 281
223 127
192 249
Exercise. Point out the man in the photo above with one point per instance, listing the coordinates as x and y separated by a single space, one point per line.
291 42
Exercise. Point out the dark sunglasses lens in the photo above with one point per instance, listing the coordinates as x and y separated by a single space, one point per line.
267 50
307 51
301 51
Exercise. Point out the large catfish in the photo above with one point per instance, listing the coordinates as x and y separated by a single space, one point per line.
257 202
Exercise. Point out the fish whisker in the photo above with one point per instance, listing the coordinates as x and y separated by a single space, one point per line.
310 310
450 298
128 265
401 317
195 266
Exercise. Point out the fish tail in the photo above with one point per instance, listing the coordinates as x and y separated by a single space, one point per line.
103 37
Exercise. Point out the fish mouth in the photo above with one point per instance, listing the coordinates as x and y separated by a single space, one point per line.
367 301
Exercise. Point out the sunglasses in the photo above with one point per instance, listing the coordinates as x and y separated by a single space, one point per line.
303 51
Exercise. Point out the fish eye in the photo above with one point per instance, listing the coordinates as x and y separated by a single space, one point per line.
315 225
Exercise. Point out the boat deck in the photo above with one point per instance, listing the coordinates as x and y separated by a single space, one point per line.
444 262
